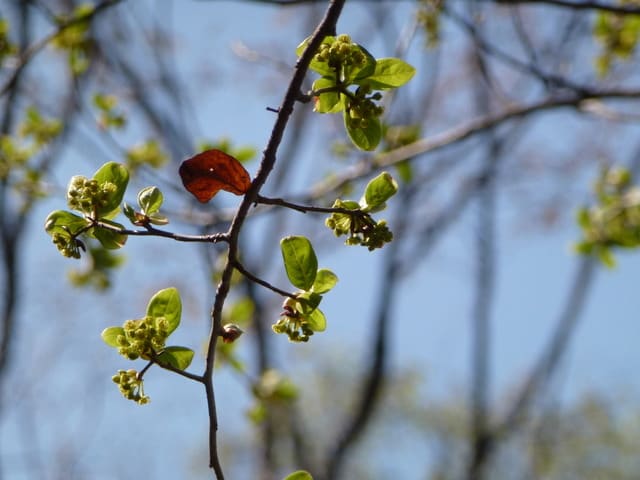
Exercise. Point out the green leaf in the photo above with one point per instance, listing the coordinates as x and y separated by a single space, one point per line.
308 302
118 175
108 238
150 199
129 212
389 73
348 204
378 191
299 475
166 303
158 219
325 281
583 217
110 335
300 261
365 138
322 68
606 257
177 357
317 321
61 221
328 102
353 74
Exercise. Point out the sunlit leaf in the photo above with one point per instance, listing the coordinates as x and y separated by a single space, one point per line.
110 335
317 321
118 175
325 281
177 357
167 304
389 73
150 199
365 137
300 261
378 191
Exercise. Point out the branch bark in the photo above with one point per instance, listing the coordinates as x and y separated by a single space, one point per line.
326 27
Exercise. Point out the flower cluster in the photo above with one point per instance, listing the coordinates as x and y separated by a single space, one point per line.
362 107
87 195
131 386
614 221
67 244
359 226
143 338
292 323
341 53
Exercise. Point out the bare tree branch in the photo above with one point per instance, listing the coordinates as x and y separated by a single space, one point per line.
577 5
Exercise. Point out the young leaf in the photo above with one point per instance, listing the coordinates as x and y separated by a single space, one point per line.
353 73
365 138
207 173
317 321
299 475
150 199
328 102
308 302
322 68
157 219
177 357
61 221
129 212
166 303
378 191
300 261
110 335
325 281
389 73
108 238
118 175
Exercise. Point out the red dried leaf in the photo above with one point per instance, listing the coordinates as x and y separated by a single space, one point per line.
211 171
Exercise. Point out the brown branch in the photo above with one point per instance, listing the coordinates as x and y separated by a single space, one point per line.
155 232
462 132
582 5
38 46
238 266
326 27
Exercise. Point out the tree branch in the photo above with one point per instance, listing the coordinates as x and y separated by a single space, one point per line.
326 27
462 132
582 5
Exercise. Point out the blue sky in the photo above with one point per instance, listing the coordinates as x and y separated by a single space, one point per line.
432 312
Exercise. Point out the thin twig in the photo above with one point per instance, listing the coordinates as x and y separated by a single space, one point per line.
154 232
37 47
582 5
238 266
462 132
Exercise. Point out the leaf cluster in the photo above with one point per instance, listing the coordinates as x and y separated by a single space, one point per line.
145 338
98 200
74 38
614 221
344 65
357 223
301 316
618 35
